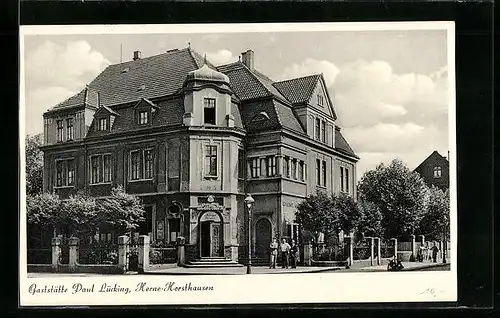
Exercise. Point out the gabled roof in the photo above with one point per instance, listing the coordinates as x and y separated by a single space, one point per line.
147 101
342 145
250 84
154 76
298 90
106 109
434 155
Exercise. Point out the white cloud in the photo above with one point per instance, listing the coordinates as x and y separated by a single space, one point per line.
55 72
311 66
221 57
70 65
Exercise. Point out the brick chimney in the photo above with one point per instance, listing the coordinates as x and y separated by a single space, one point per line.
137 55
247 59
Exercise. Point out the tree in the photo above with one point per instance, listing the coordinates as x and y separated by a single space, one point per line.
435 223
400 195
370 223
34 164
328 214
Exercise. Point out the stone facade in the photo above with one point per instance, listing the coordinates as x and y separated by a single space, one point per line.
194 144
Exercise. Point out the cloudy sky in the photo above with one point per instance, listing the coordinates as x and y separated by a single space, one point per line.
389 87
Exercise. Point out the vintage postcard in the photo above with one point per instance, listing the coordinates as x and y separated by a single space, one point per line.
237 164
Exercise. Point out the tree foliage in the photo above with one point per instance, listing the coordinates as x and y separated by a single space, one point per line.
370 223
435 223
34 164
400 195
81 214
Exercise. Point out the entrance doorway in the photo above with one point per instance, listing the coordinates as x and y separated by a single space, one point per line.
262 238
211 241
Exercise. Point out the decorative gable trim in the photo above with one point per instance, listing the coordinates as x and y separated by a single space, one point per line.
146 103
322 82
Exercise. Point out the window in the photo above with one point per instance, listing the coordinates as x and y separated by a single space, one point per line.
271 166
102 124
324 173
146 227
148 164
143 117
69 128
174 229
60 130
209 111
107 168
211 161
286 167
65 172
318 172
255 167
241 164
437 172
294 169
94 169
320 100
346 179
342 179
263 167
135 165
317 131
323 131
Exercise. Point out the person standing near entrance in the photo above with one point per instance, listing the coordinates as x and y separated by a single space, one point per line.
274 253
294 249
434 250
285 249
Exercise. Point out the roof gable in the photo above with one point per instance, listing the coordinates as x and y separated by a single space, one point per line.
298 90
321 92
434 156
105 111
145 103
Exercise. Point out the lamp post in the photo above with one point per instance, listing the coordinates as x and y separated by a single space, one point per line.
249 202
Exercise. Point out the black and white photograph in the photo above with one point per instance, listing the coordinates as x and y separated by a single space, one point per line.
175 164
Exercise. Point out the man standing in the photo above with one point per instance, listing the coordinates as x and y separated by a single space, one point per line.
285 248
274 253
294 250
435 250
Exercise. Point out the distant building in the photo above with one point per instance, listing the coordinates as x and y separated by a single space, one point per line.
435 171
192 139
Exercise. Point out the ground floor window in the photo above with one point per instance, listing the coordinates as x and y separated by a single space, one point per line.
146 227
174 229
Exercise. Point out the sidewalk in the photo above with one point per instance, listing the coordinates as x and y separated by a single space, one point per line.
238 270
408 266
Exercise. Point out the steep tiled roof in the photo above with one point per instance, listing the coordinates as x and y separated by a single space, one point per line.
287 117
150 77
434 155
342 145
298 90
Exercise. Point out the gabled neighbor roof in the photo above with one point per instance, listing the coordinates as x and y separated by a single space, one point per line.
154 76
434 155
298 90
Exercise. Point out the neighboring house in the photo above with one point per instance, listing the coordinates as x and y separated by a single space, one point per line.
435 171
192 140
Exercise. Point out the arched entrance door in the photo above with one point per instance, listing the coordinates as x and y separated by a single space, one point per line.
211 239
262 238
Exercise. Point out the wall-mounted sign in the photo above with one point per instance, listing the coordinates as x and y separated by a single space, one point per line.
210 216
290 204
160 230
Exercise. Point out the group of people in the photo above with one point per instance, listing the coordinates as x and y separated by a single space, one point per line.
289 253
427 253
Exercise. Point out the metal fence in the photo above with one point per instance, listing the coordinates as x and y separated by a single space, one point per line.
98 254
162 255
361 250
39 255
336 252
386 249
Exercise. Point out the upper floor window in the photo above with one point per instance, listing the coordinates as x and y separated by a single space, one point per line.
344 179
65 172
286 167
323 131
321 100
69 129
437 172
211 161
141 164
100 169
102 124
323 173
302 171
318 172
143 117
60 130
294 169
255 167
209 111
271 166
241 164
317 129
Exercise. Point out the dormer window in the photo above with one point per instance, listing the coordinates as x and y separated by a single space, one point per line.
102 124
209 111
143 117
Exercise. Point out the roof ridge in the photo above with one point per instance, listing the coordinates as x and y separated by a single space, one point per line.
257 79
298 78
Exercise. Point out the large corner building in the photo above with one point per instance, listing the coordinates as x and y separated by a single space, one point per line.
192 139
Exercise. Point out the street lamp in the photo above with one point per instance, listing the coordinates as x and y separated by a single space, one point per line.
249 201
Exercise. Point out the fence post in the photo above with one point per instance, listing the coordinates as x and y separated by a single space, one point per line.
440 250
56 253
413 248
372 252
308 251
143 253
123 250
378 250
395 247
422 239
73 253
350 251
181 253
